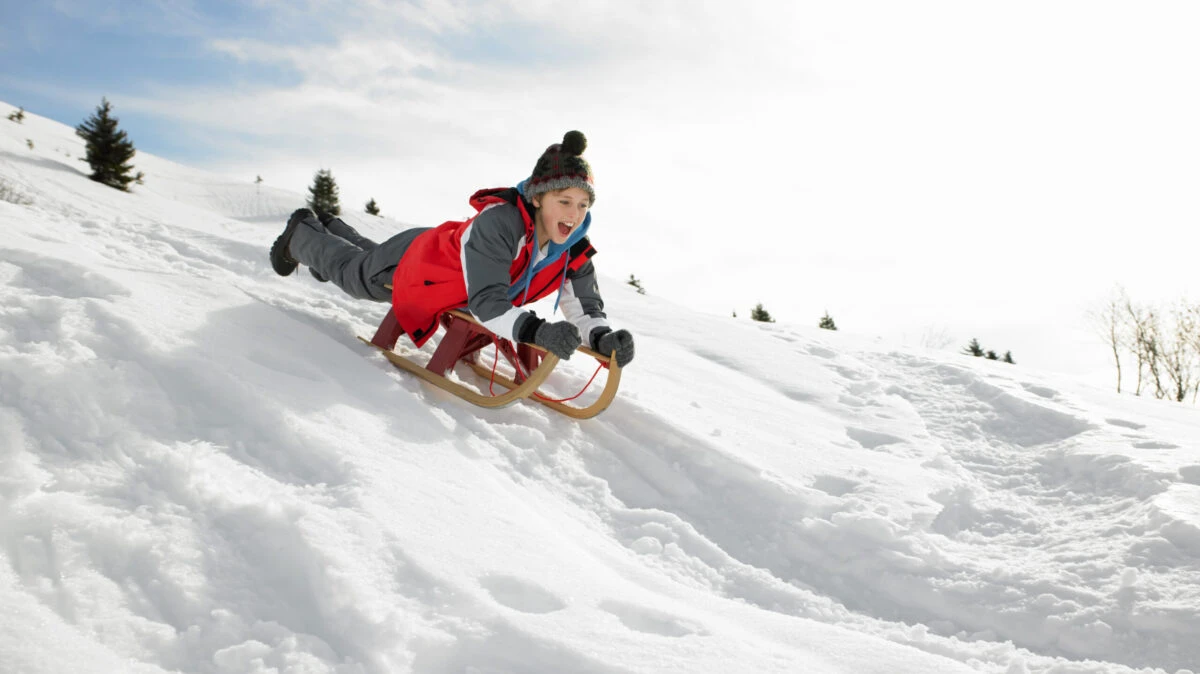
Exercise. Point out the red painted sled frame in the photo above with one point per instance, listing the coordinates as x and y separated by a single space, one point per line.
463 340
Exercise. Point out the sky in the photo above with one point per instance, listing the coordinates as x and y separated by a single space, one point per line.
926 172
203 471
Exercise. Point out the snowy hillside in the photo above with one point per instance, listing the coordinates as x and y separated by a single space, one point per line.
202 470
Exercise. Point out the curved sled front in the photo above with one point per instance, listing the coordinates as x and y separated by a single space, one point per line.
464 338
606 396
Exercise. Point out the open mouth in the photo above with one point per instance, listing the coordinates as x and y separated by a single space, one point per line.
564 228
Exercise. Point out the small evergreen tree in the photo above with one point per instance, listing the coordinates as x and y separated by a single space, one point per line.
991 355
1008 357
636 284
108 149
17 115
827 322
760 314
29 142
735 313
257 180
973 349
372 207
323 194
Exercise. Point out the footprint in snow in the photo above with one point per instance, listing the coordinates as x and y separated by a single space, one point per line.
797 394
1042 391
651 621
834 485
871 439
1126 424
521 595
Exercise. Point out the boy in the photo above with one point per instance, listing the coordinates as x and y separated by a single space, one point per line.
523 244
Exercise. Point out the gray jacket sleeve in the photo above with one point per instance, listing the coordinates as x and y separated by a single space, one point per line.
489 246
581 303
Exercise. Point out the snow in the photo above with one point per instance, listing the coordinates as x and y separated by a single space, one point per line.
202 470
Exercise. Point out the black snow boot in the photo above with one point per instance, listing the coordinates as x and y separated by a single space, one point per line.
281 260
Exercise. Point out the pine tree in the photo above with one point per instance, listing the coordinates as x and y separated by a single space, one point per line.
973 349
991 355
636 284
372 207
1008 358
108 149
760 314
827 322
257 180
17 115
323 194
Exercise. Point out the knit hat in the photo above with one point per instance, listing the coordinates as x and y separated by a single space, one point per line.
560 167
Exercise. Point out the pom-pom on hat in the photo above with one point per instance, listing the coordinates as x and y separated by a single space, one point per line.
560 167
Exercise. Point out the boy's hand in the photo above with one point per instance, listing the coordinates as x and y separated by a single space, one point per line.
560 339
620 342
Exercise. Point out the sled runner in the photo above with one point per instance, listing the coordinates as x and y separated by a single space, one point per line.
464 338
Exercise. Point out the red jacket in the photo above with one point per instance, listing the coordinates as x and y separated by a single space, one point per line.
429 279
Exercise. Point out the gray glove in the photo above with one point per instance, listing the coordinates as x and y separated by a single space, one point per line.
620 342
560 339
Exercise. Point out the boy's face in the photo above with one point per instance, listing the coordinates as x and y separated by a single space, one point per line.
559 213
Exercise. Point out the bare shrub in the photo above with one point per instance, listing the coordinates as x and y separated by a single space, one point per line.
12 195
1165 345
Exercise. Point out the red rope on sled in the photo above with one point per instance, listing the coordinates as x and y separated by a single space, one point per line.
517 365
495 362
585 387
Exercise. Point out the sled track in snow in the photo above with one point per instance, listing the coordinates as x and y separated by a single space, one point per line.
1038 492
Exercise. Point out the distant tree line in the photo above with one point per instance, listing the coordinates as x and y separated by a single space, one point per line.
826 322
974 349
760 314
1162 347
323 195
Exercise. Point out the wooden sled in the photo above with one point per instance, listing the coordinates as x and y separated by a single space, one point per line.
463 340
